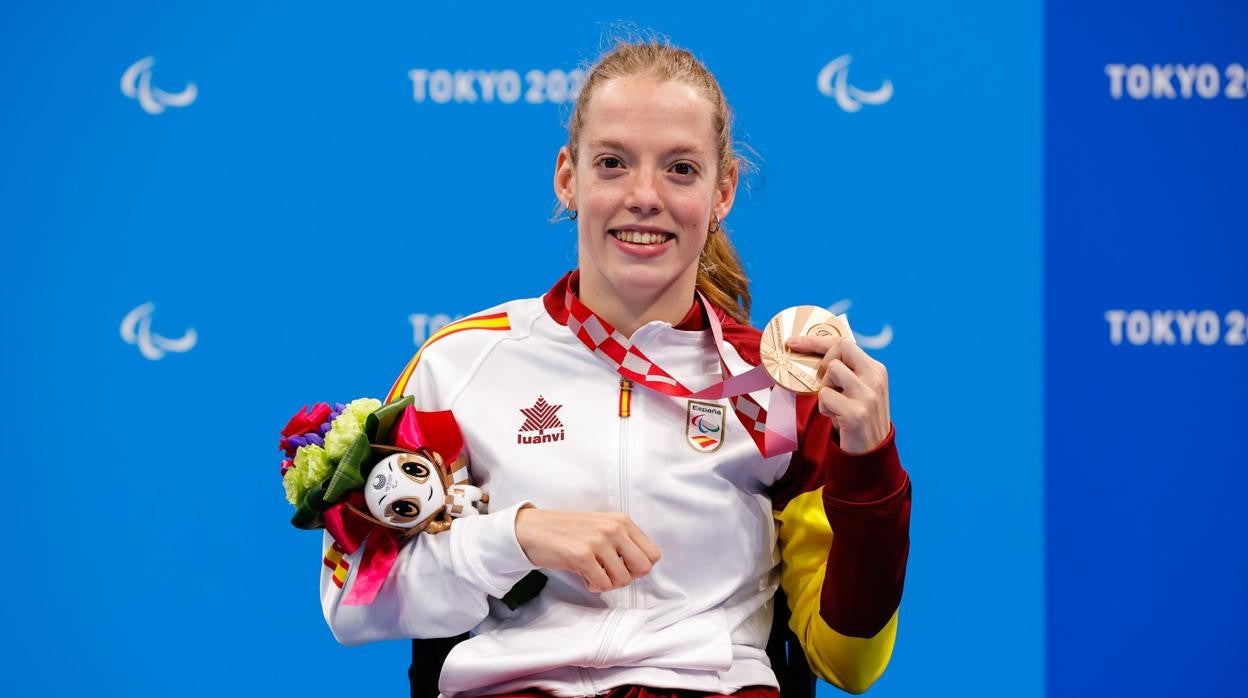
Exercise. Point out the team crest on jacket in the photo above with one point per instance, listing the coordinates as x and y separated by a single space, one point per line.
704 426
541 423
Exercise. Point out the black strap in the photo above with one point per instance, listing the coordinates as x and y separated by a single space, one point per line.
787 658
427 659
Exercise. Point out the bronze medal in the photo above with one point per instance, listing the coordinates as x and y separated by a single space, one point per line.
791 370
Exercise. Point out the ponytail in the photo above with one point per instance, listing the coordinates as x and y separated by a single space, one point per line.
722 279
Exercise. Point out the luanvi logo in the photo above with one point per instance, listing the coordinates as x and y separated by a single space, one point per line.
870 341
833 81
136 329
542 419
136 83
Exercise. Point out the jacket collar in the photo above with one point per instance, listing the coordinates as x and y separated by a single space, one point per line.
555 302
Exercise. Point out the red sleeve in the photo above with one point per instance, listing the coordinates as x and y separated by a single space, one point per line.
866 498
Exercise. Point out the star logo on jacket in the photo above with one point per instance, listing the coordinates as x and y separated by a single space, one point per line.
704 426
541 423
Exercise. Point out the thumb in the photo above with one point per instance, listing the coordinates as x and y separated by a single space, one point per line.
800 343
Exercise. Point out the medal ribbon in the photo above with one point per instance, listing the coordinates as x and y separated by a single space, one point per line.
773 433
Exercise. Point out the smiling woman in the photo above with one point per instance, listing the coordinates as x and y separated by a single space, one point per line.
642 488
666 105
646 186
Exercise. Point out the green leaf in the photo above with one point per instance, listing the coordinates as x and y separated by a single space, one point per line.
348 477
382 420
308 514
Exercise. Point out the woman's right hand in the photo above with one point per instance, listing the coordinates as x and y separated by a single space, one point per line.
607 550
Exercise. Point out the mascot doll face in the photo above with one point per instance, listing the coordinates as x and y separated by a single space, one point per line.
404 490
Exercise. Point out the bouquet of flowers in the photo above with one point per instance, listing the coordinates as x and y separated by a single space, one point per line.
364 471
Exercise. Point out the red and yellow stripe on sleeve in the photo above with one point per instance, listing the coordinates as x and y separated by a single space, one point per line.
496 321
850 663
335 559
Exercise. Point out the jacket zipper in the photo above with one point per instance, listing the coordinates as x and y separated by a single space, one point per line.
626 397
607 631
587 687
626 410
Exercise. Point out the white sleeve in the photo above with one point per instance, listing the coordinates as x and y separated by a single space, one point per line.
438 585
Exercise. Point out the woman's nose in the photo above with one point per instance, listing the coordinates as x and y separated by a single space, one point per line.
643 198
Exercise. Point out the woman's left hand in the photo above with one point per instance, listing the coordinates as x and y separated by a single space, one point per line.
854 393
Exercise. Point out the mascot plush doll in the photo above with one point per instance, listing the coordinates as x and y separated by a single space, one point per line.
375 475
414 491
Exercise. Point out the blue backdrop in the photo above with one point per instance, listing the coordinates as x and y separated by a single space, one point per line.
1145 301
214 214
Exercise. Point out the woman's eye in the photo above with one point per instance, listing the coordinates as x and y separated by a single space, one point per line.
684 168
611 163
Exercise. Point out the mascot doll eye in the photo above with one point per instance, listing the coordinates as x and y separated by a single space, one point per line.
416 470
405 508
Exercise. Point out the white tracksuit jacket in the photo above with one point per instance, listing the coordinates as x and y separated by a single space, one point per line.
700 620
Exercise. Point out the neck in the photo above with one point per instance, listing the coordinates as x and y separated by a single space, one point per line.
629 309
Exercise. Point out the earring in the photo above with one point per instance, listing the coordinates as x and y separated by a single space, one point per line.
715 227
571 214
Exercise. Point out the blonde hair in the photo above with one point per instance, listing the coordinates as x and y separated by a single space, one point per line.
720 274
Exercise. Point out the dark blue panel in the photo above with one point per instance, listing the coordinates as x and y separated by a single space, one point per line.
1147 169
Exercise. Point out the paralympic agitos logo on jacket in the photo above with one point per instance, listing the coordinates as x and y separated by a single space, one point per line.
541 423
704 426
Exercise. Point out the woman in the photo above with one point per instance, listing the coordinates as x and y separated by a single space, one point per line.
662 543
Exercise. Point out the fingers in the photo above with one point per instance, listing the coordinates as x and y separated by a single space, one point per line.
854 356
636 559
643 542
841 378
863 370
595 578
811 345
834 348
854 393
617 572
606 550
627 554
840 407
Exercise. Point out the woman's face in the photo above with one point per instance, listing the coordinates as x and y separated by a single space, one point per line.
645 185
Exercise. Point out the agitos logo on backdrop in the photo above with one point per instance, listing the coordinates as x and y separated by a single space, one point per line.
136 83
879 340
833 81
136 329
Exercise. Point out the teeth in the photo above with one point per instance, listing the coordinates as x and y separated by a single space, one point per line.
638 237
